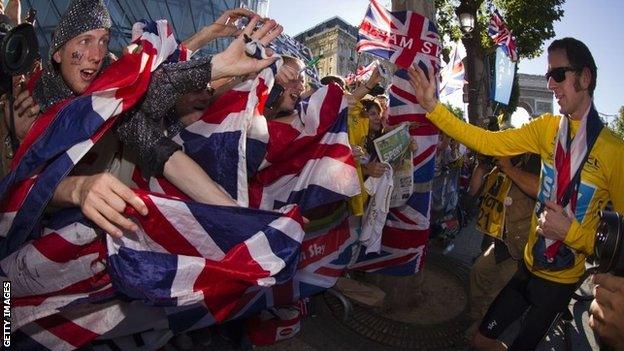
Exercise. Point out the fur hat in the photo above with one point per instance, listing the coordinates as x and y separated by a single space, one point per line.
81 16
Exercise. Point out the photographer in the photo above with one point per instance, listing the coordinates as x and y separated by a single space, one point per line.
607 309
24 108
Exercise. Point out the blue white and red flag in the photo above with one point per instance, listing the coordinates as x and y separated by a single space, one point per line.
362 73
453 73
267 164
400 37
200 258
502 36
407 227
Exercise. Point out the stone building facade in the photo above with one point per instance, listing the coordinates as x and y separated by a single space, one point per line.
335 39
534 94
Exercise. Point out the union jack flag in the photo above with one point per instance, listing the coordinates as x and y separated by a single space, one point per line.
268 164
407 227
362 73
502 36
58 139
325 253
188 249
400 37
70 285
453 73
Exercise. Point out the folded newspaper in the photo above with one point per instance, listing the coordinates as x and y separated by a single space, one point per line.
394 148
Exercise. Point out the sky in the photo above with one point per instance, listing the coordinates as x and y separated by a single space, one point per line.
598 23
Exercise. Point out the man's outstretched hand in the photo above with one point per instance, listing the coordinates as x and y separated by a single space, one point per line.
424 87
234 61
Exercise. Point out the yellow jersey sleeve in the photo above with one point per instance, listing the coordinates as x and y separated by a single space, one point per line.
503 143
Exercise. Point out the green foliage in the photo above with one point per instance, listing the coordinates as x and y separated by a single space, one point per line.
530 21
457 111
617 125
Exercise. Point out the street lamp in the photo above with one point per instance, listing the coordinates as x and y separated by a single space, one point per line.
466 14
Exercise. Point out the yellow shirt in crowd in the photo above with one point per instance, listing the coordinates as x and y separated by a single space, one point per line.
357 131
602 177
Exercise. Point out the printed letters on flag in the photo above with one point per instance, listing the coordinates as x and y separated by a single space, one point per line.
201 258
399 37
407 227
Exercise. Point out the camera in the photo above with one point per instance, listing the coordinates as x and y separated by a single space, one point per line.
19 50
608 247
274 96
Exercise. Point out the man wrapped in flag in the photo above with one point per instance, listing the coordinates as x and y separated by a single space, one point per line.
407 227
188 248
293 151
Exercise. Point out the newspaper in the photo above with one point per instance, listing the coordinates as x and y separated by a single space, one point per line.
394 148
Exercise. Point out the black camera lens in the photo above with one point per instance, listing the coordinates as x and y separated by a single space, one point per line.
608 244
14 54
19 50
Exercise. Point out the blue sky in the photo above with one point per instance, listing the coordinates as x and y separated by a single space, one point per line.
598 23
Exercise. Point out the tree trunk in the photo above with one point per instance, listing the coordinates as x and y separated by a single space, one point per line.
424 7
478 77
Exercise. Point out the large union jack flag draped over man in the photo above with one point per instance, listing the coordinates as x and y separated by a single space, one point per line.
187 265
399 37
407 227
307 162
502 36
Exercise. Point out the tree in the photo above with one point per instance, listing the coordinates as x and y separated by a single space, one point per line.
617 125
531 23
458 112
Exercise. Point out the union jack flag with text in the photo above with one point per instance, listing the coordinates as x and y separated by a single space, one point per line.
185 267
399 37
407 228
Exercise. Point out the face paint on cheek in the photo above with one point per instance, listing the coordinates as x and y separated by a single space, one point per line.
76 58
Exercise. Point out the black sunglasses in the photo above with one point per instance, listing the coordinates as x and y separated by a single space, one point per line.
559 73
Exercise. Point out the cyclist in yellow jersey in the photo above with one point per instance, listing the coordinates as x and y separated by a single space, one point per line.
581 170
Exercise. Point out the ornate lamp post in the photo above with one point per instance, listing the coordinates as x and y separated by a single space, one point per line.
467 14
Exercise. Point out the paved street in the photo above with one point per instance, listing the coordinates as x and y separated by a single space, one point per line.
324 332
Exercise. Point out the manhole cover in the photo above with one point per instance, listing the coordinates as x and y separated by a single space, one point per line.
438 322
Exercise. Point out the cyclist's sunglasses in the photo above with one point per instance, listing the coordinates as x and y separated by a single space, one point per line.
559 73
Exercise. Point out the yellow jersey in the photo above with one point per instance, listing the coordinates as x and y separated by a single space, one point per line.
602 177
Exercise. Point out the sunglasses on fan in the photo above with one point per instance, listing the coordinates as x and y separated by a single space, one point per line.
559 73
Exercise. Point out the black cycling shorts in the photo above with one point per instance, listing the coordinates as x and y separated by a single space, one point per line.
541 299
